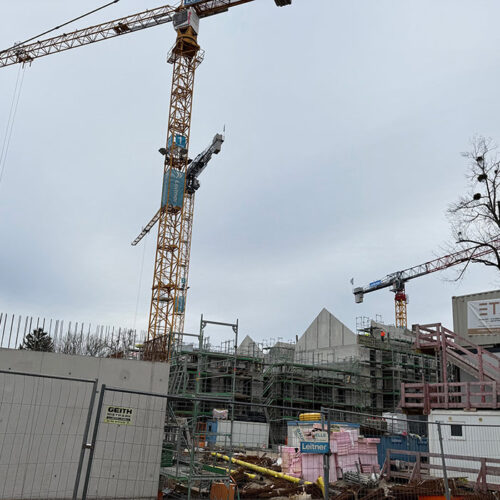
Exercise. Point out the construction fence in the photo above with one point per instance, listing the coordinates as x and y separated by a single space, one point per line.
44 426
70 438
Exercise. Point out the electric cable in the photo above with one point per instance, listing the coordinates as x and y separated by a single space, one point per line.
10 122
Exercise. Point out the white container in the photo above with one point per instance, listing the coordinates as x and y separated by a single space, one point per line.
245 434
396 422
478 439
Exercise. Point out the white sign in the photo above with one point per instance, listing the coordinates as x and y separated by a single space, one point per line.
483 317
118 415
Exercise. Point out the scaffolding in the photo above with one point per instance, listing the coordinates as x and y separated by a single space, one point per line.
285 379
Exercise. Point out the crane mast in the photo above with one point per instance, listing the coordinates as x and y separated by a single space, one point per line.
398 279
195 168
168 294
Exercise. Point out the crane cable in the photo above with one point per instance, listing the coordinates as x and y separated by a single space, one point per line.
10 121
60 26
19 84
140 281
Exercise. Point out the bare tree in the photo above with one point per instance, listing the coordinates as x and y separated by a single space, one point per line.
122 344
475 217
94 345
71 343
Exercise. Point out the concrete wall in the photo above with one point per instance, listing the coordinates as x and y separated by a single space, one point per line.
121 373
326 331
248 347
329 355
392 332
42 422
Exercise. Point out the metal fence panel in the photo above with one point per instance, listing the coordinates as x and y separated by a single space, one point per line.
127 446
43 425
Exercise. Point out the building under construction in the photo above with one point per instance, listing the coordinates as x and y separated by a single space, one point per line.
328 366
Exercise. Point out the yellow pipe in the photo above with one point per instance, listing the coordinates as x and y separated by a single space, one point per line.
321 484
262 470
247 474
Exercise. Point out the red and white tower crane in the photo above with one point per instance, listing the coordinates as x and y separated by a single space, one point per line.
398 279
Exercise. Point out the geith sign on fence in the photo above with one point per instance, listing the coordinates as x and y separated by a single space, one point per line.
118 415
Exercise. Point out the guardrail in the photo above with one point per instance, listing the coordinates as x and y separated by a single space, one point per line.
421 467
450 395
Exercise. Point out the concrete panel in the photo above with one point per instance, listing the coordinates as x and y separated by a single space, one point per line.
326 331
123 373
248 347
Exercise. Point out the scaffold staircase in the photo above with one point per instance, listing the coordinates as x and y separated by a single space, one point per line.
451 348
475 360
176 381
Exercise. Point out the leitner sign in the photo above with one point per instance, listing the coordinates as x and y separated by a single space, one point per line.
118 415
314 447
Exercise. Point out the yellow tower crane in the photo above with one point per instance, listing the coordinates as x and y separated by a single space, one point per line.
166 316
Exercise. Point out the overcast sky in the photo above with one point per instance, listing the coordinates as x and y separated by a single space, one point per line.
344 120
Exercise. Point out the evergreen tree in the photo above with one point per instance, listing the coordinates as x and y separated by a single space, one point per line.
38 341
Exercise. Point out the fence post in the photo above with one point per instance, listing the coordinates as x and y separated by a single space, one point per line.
326 456
481 477
445 475
387 464
94 439
84 441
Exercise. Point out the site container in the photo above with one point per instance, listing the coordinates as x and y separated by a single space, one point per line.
398 442
466 433
476 317
245 434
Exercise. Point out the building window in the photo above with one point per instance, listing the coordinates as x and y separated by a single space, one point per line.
456 430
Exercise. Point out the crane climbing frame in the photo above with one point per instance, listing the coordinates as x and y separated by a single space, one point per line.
168 299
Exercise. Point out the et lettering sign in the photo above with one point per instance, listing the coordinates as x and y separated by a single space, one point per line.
119 415
314 447
483 317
